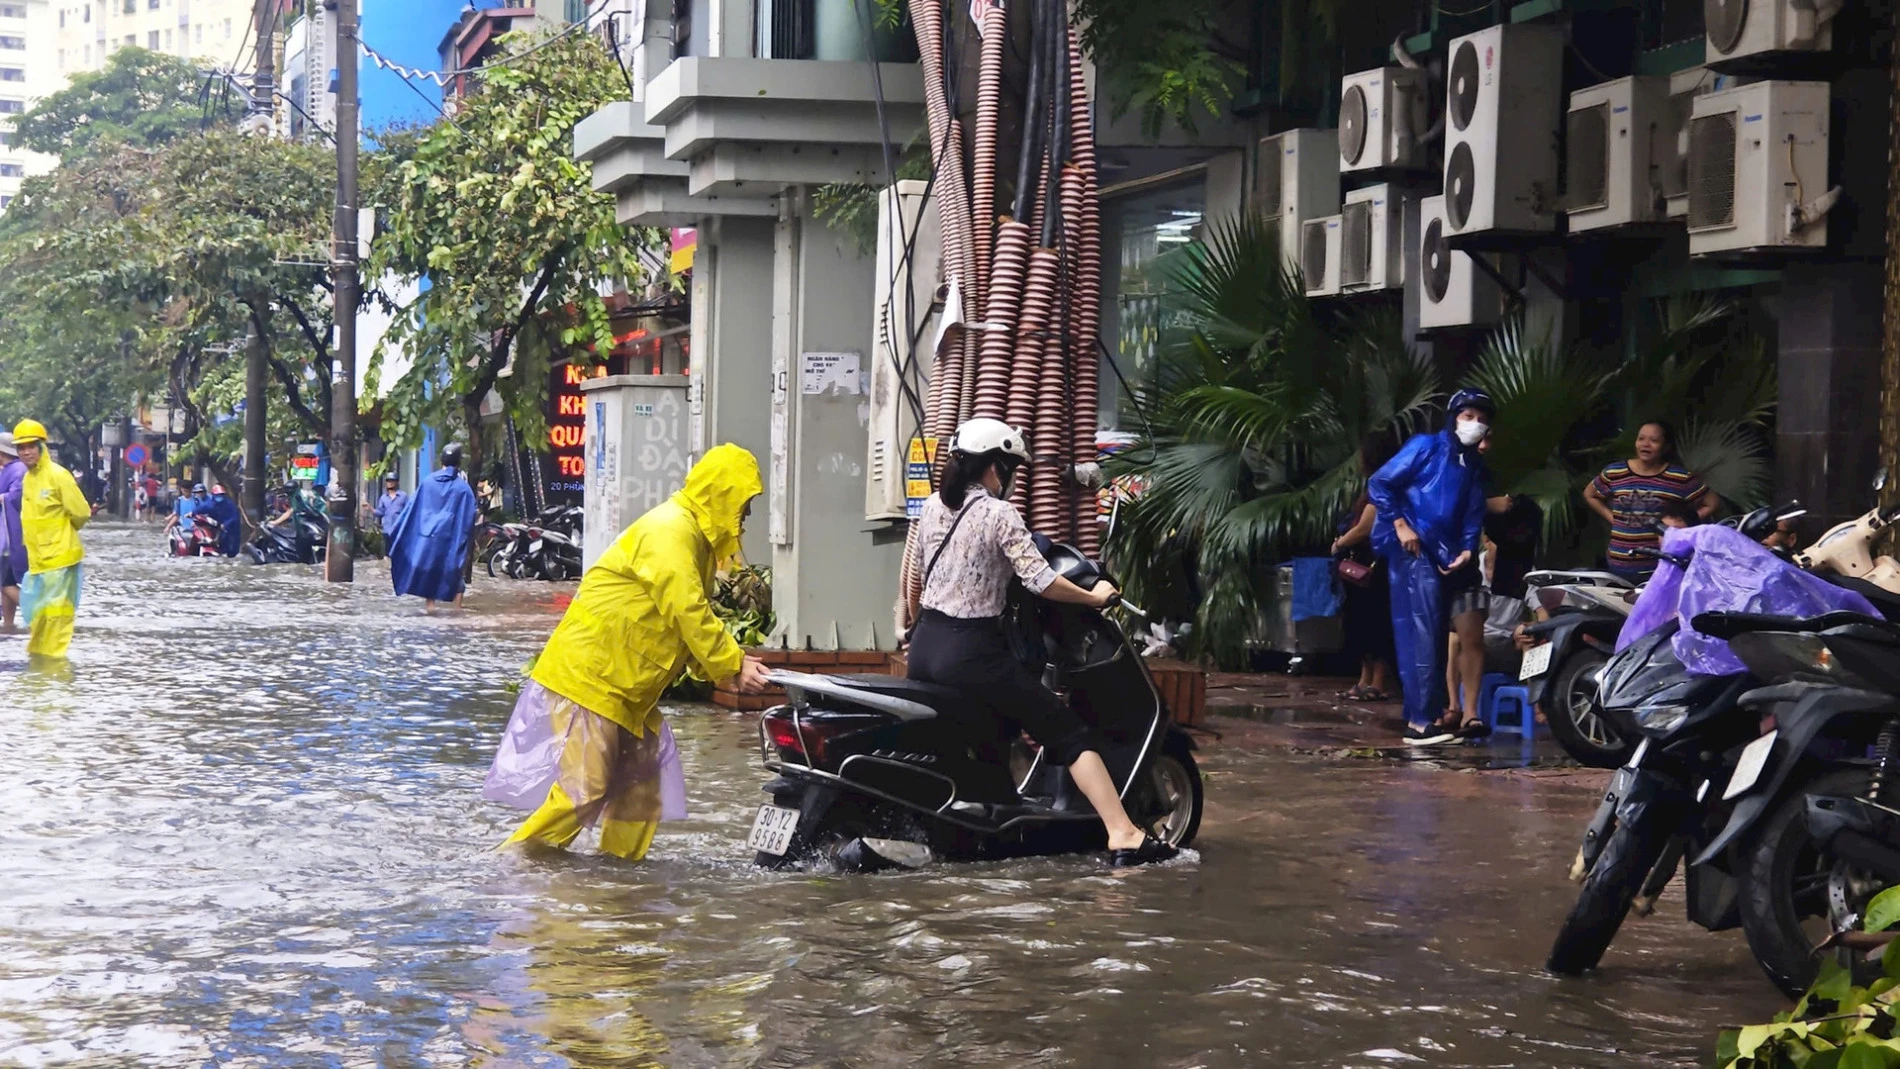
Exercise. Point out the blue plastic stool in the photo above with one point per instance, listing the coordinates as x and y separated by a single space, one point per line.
1509 712
1487 688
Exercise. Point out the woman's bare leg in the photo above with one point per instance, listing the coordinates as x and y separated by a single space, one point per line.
1098 786
1470 656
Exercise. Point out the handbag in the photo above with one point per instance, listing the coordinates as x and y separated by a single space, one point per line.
1356 572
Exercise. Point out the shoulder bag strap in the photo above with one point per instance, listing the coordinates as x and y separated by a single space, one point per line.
941 546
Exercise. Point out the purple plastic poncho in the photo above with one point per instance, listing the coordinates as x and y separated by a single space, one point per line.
1727 573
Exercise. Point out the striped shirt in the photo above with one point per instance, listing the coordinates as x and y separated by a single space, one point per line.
1636 503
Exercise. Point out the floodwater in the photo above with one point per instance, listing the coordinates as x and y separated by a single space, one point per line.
245 829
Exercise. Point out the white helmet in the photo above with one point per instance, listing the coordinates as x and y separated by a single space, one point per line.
979 436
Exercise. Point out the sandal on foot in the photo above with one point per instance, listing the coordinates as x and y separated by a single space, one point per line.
1151 851
1374 694
1353 693
1474 729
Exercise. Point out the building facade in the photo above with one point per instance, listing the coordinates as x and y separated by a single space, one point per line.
88 32
26 33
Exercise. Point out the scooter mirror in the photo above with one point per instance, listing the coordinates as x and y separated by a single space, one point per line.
1880 479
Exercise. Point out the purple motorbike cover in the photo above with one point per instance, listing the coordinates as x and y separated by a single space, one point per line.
1727 572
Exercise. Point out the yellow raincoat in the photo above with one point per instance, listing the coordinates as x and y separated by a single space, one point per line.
642 611
52 510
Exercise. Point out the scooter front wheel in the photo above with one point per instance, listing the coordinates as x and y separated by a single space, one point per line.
1179 795
1633 850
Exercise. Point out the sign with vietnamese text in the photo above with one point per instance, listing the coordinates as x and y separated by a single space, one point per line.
917 464
567 431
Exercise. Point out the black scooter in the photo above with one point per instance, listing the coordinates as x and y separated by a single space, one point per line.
300 541
875 772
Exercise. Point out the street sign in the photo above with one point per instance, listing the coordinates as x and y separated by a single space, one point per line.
918 462
135 456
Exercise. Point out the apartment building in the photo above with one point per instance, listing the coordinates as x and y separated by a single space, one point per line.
214 31
26 35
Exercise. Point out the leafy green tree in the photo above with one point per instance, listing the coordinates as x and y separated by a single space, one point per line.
514 242
138 98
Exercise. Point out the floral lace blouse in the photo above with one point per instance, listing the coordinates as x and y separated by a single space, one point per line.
971 579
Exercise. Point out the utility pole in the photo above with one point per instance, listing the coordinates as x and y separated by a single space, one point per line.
340 560
258 121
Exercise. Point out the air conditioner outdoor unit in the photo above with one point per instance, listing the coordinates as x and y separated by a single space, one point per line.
1296 178
1738 29
1758 168
1452 292
1381 114
1621 137
1504 98
1319 256
1371 239
905 219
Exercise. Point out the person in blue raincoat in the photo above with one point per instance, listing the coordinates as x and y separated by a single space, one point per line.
1430 499
429 548
230 521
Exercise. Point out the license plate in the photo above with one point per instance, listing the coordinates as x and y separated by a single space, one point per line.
1536 662
772 830
1748 769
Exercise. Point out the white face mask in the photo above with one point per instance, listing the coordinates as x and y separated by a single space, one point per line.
1471 432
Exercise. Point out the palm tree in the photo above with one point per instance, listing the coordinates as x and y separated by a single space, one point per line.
1254 419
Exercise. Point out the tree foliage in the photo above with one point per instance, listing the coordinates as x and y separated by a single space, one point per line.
138 98
514 242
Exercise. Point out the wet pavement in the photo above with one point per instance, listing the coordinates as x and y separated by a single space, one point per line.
244 829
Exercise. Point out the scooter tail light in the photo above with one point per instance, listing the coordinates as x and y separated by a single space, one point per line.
799 740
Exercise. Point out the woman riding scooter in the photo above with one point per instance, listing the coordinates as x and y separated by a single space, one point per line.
971 542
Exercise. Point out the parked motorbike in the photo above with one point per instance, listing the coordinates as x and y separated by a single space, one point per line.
302 540
1677 794
874 771
549 548
1814 820
199 538
1586 611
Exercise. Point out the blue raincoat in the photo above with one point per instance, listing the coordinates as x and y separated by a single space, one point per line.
230 523
1438 487
430 543
12 540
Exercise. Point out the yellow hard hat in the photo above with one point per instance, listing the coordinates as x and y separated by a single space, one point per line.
28 431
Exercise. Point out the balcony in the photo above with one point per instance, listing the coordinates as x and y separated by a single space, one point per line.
726 136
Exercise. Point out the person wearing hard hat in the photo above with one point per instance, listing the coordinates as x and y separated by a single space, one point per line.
12 541
52 510
587 743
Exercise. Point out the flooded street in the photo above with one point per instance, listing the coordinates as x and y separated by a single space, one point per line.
245 829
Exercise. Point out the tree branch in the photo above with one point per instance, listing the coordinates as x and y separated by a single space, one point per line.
289 381
504 341
325 358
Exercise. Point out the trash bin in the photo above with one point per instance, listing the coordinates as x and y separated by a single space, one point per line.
1302 639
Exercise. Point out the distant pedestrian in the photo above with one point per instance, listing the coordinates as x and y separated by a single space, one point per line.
1630 495
389 509
1368 587
1431 505
12 539
230 521
52 511
428 549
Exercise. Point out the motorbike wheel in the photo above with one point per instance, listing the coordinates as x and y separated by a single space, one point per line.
1786 883
493 572
1612 885
1179 795
1577 718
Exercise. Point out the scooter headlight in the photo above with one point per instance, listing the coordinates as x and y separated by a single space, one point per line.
1661 719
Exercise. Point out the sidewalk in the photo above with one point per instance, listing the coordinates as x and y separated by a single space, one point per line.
1302 714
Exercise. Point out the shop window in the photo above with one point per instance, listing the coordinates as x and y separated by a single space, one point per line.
1151 229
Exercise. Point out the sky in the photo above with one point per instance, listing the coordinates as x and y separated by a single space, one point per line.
407 32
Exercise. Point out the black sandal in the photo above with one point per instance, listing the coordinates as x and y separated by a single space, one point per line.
1151 851
1474 728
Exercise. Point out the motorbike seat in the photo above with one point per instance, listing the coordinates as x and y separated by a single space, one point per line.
1884 600
941 698
1727 625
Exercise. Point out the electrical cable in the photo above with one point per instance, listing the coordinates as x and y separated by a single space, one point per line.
440 78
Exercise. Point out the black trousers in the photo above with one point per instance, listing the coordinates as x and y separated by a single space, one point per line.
972 656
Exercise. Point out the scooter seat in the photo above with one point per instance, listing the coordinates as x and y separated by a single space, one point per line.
936 696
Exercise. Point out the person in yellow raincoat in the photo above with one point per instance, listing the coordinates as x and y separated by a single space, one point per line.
587 743
52 510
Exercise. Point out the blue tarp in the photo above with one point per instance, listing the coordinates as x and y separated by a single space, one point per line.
1315 594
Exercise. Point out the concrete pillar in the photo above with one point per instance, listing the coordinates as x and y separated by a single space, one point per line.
731 358
1828 419
834 574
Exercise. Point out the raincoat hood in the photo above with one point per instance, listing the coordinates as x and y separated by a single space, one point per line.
716 493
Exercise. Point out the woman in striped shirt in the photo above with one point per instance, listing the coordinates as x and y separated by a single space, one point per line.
1630 496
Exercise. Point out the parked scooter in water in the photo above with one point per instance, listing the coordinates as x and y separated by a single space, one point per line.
1586 611
875 771
300 541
